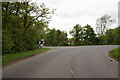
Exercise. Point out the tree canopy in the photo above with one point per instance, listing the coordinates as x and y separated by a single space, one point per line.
25 23
103 24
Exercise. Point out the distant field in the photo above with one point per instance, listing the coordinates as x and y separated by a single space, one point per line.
7 58
115 53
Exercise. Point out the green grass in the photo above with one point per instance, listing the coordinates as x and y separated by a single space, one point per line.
7 58
115 53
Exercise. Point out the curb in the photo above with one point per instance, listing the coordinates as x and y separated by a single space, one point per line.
110 58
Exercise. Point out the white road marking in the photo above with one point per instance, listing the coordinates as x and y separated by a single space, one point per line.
72 71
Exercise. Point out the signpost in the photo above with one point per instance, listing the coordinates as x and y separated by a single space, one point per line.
41 43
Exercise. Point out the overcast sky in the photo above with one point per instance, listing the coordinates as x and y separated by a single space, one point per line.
83 12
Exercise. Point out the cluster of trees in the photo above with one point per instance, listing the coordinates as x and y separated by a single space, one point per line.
83 35
86 35
105 35
56 38
23 23
111 36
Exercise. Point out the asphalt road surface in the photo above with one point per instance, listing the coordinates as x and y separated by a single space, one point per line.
66 62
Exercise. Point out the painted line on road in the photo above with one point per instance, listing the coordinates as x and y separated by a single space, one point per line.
72 71
52 50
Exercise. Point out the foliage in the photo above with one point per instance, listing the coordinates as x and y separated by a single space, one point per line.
103 24
77 33
116 33
101 39
115 53
109 36
7 42
86 36
51 37
89 35
56 38
23 24
71 40
83 35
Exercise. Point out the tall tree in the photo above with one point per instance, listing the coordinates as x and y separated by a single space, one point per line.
63 38
23 24
89 35
77 33
51 37
103 23
56 38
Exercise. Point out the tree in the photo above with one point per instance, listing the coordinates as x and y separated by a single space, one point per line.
71 40
12 23
56 38
110 37
51 38
63 39
42 14
23 24
89 35
116 33
101 39
6 42
77 33
103 23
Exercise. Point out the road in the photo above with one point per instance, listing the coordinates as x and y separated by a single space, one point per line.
66 62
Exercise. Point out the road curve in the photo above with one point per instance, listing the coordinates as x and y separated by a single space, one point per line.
66 62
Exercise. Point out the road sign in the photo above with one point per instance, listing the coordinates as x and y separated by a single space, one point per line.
42 40
41 44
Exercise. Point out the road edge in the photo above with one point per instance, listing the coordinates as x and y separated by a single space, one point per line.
21 59
108 56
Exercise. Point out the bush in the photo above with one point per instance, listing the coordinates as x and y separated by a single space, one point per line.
115 53
7 42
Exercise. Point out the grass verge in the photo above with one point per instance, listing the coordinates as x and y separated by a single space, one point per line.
7 58
115 53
